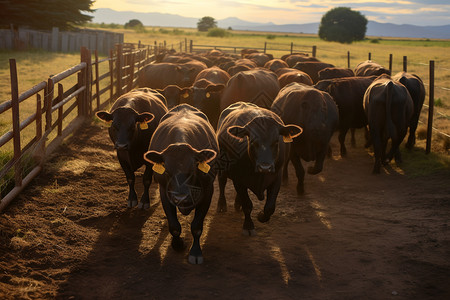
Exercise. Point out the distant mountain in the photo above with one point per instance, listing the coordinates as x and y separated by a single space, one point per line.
106 15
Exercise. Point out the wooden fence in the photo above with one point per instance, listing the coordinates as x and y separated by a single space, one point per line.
61 109
56 41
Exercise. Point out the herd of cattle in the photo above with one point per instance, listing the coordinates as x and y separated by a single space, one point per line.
244 118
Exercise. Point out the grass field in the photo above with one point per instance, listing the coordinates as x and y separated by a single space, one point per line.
35 66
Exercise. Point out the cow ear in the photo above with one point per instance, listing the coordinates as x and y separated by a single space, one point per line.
289 132
203 157
143 119
154 157
237 132
215 88
104 116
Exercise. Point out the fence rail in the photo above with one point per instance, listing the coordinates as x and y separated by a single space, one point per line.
64 109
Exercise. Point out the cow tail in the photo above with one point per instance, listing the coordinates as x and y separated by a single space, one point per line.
390 128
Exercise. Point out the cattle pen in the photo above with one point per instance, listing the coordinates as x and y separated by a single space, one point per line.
61 110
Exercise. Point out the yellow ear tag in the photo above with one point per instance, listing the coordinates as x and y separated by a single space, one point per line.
287 139
185 95
204 167
143 125
159 168
208 95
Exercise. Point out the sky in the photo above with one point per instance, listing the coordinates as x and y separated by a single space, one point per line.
414 12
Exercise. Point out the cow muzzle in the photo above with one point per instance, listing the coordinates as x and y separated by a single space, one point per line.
120 146
265 168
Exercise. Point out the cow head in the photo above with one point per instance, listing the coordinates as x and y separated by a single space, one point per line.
181 168
175 95
264 137
187 74
125 125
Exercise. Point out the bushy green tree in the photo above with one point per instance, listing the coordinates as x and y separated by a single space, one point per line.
206 23
341 24
44 14
134 23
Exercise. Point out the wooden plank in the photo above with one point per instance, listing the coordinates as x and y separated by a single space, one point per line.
15 121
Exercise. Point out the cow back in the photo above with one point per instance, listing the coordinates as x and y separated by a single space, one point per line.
258 86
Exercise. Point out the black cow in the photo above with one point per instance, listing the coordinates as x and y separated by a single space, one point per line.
181 149
252 155
348 93
417 91
389 108
314 111
131 130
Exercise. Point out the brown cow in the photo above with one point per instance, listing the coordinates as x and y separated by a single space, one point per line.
275 64
312 68
315 112
259 58
348 93
134 117
291 60
389 108
370 68
160 75
294 76
182 149
417 91
259 86
330 73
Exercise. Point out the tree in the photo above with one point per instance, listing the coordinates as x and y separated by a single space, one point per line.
206 23
44 14
341 24
133 23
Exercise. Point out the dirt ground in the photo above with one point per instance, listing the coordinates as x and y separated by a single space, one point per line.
353 235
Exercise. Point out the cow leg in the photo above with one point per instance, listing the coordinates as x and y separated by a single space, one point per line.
318 164
412 129
286 163
367 137
269 207
247 206
174 224
341 138
377 149
353 139
222 203
131 178
147 181
195 254
300 172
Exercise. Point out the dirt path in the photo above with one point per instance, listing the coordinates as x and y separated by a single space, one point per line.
352 236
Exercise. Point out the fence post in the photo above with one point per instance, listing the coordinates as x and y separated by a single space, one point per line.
185 44
41 150
60 109
86 104
405 64
292 47
48 99
119 69
55 38
430 108
265 47
130 83
348 59
191 46
370 56
111 75
314 51
15 122
97 83
390 63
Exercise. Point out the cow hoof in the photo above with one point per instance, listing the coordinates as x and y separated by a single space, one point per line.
300 189
313 171
249 232
262 217
132 203
144 205
195 260
177 244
